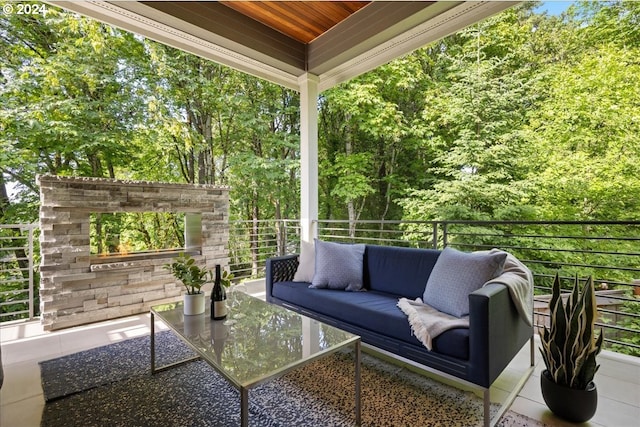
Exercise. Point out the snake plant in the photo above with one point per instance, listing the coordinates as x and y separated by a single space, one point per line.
569 347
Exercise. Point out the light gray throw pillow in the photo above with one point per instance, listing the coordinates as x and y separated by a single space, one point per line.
306 262
338 266
455 275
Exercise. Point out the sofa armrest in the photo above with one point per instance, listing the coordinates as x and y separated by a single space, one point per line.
496 333
280 269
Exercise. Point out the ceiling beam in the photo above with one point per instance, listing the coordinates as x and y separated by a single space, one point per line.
235 30
361 31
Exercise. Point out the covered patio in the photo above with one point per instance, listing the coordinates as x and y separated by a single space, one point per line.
309 48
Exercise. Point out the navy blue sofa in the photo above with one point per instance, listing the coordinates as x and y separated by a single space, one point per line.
477 354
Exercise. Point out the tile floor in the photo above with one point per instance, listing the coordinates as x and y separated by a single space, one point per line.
25 344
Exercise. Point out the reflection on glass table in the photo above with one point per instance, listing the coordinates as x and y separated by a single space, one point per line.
258 341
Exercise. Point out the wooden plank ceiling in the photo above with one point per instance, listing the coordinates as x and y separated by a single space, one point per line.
300 20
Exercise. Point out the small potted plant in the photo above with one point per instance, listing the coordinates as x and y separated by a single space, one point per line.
569 349
193 277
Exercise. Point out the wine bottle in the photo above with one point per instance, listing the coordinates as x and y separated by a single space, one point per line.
218 298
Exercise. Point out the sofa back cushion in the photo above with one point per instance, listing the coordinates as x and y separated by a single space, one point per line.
338 266
398 271
456 275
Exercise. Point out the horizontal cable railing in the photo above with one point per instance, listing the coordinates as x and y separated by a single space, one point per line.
251 243
17 291
607 251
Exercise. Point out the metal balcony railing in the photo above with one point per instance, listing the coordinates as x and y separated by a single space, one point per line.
251 243
18 297
607 251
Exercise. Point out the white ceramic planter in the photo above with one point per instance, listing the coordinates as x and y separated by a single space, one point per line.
193 304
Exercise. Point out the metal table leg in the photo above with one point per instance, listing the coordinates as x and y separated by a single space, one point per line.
244 407
155 369
153 343
357 362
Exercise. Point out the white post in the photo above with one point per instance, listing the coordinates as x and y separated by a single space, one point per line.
308 155
310 337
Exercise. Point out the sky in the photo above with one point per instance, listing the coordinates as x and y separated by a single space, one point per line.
554 7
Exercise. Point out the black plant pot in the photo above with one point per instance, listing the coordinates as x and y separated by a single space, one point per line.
570 404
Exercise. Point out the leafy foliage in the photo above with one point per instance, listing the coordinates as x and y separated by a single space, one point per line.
503 120
135 232
192 276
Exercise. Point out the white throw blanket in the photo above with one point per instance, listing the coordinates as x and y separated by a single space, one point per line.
519 280
427 322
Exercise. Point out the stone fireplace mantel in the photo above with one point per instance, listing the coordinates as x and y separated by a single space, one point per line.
77 288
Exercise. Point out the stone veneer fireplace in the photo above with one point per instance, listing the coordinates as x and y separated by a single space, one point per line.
77 288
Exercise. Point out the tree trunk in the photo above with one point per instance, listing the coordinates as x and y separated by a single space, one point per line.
385 172
281 234
4 196
254 243
351 209
202 173
99 236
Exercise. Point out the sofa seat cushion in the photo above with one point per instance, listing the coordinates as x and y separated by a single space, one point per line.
372 310
454 343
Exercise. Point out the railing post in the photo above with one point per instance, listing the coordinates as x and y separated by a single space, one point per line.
284 237
445 236
31 290
434 242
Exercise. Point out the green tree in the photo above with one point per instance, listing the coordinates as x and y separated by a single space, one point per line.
585 133
367 145
194 106
69 89
472 123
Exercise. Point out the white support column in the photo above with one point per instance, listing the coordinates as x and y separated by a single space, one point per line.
310 337
308 155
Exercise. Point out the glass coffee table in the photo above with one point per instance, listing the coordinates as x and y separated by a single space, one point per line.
257 342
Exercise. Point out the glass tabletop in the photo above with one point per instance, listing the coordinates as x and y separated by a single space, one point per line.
257 341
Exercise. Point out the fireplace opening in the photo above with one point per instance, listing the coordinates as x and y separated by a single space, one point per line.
133 236
134 232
